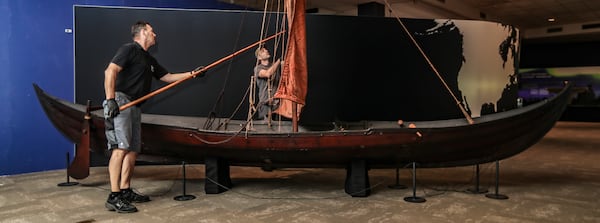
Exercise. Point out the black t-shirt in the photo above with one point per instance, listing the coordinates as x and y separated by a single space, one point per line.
138 68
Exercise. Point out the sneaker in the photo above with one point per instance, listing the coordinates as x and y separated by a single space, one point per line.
118 204
133 197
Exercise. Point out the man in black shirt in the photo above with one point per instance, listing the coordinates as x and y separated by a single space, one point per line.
127 78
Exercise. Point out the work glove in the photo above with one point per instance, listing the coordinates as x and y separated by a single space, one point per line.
111 108
200 74
109 124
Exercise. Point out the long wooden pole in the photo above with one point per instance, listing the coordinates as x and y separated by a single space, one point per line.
160 90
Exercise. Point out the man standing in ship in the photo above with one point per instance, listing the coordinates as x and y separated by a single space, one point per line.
266 73
127 78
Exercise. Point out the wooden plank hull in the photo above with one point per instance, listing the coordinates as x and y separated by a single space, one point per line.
381 144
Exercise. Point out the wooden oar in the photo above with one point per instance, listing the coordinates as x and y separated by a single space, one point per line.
80 168
160 90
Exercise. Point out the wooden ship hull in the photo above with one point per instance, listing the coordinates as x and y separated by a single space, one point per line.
381 144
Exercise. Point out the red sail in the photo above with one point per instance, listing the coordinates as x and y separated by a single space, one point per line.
293 84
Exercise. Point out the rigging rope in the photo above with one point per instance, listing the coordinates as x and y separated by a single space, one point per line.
212 114
265 24
458 103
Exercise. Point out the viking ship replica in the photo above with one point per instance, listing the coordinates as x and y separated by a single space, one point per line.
356 146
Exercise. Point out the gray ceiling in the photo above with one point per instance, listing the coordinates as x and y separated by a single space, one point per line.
521 13
534 13
530 16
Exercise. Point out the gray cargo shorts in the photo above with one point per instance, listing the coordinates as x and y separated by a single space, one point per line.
124 131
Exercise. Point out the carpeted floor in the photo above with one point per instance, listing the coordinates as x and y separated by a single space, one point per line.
556 180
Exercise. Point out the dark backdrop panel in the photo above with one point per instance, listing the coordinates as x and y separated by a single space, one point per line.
359 67
367 68
185 40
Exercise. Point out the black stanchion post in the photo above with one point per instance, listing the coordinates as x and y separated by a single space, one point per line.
477 190
68 183
184 197
397 185
414 198
496 195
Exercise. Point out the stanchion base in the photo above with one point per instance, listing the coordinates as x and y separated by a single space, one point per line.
184 197
497 196
64 184
397 186
414 199
476 191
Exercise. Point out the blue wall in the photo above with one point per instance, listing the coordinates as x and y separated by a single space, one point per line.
34 48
